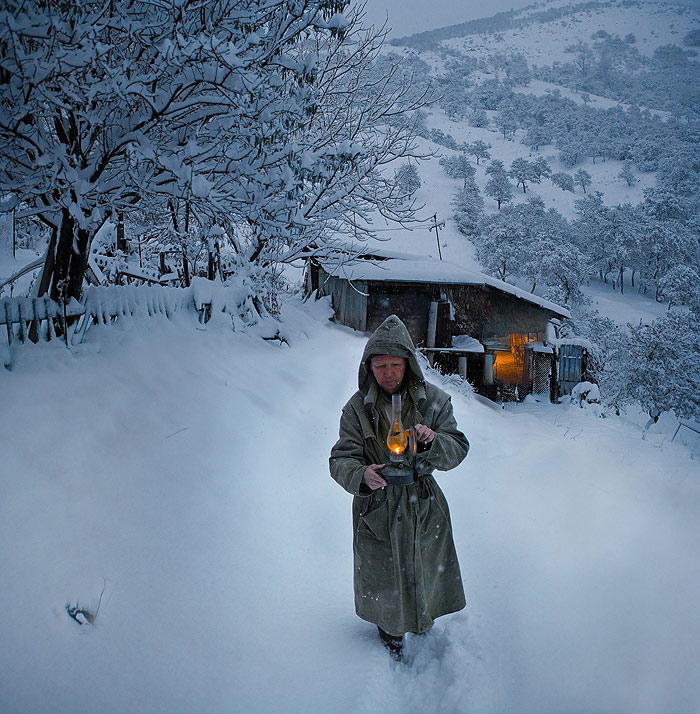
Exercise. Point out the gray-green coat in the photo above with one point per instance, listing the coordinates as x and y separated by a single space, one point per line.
406 569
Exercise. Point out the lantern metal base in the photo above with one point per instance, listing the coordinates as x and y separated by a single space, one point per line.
399 475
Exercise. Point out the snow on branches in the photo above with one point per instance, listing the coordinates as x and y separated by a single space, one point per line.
252 117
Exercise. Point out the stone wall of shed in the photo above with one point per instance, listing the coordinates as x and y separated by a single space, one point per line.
510 315
409 301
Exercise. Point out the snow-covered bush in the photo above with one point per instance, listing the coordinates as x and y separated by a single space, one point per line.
587 392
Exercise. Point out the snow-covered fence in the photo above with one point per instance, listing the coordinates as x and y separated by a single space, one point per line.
43 319
36 318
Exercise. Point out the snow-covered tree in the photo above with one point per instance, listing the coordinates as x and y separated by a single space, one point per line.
256 118
458 167
507 122
608 236
627 174
496 249
661 366
523 172
478 118
479 150
407 179
681 286
469 208
571 149
563 180
537 136
583 179
583 54
498 186
540 169
102 109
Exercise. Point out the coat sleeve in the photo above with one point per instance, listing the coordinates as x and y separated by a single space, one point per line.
347 461
450 446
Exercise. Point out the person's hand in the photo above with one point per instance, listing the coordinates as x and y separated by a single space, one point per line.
424 433
372 478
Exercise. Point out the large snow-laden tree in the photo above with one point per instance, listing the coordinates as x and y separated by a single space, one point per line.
105 105
237 111
367 118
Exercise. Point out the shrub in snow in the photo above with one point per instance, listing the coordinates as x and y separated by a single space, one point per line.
587 392
82 615
692 38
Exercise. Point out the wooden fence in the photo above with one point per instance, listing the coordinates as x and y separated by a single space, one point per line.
37 318
42 319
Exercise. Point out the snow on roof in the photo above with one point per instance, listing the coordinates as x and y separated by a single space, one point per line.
413 269
466 343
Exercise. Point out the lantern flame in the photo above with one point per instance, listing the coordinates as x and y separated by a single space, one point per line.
397 441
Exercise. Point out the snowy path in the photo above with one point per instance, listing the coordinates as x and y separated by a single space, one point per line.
188 468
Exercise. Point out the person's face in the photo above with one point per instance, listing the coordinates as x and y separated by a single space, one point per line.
388 370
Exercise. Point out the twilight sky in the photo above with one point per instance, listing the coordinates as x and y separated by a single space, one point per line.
409 16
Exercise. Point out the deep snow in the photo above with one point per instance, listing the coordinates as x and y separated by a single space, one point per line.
185 471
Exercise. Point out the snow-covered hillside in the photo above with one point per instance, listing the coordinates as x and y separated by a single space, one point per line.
561 87
653 25
183 471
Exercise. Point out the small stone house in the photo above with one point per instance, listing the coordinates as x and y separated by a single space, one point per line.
492 333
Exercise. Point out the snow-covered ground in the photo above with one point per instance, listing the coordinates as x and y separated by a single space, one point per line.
184 470
547 42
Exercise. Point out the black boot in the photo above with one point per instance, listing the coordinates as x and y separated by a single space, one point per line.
393 643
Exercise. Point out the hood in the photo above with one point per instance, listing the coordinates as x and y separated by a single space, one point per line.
390 338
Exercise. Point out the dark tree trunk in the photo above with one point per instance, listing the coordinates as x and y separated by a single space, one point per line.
185 270
47 271
211 267
121 234
70 259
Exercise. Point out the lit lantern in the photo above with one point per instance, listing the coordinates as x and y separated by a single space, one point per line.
402 443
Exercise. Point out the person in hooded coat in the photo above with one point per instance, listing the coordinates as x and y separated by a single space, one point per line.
406 570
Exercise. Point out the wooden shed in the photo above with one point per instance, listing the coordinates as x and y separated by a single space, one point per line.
466 322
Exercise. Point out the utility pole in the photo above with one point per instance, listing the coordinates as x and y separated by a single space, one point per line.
437 226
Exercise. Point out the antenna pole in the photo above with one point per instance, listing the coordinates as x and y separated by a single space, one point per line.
437 226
